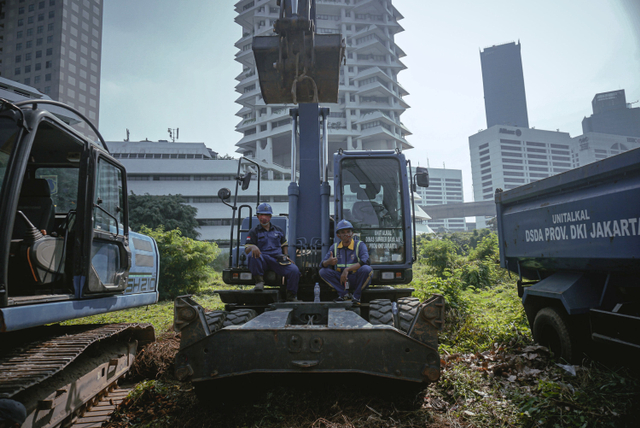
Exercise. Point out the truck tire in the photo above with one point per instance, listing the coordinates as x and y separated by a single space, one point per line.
215 319
551 329
239 316
380 312
407 310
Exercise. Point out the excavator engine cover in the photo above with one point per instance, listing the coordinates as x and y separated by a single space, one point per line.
324 55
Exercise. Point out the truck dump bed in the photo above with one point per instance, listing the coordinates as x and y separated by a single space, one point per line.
576 238
584 219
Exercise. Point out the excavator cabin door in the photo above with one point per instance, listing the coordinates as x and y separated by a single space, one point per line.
106 226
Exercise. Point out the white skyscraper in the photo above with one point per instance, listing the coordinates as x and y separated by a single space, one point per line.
367 115
445 187
506 157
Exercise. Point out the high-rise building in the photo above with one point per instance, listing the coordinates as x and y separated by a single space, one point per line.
506 157
367 115
503 81
54 46
612 115
445 187
593 146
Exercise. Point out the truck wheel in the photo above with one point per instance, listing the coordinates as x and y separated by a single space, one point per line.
407 310
380 312
239 316
551 329
215 319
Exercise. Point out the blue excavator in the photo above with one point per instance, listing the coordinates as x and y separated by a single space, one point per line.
390 335
66 252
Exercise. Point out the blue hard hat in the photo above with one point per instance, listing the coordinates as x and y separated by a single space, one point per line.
344 224
264 208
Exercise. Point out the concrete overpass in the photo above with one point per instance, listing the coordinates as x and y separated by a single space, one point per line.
467 209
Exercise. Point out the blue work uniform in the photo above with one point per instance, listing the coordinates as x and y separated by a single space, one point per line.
270 243
356 252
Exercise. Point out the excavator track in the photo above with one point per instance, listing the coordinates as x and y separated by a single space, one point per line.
98 411
56 372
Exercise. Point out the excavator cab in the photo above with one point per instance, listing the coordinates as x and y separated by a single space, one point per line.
297 65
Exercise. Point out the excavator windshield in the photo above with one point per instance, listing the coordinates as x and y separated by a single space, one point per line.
372 202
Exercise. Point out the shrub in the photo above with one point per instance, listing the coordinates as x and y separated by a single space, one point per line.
487 249
184 262
439 255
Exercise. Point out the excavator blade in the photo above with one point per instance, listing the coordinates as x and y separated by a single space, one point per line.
276 85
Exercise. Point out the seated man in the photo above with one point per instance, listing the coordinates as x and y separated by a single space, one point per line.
347 261
268 247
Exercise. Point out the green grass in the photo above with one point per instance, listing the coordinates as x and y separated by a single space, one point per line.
159 315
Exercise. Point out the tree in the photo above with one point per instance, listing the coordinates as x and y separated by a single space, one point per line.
184 262
171 212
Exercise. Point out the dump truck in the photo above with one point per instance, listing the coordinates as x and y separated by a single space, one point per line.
66 252
573 240
391 335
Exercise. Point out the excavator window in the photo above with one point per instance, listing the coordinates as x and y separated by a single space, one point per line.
8 135
42 238
372 202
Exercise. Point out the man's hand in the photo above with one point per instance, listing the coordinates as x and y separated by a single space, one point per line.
343 277
255 251
331 261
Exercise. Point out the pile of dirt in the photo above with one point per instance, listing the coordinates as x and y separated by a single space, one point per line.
156 360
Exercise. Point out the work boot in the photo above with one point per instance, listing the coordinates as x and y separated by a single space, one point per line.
291 297
259 283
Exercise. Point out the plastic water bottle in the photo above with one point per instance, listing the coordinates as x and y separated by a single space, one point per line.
316 293
394 308
346 285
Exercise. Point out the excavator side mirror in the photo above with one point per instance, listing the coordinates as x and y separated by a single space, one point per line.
224 194
246 180
422 177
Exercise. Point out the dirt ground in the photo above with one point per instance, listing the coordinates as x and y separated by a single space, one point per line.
323 402
341 401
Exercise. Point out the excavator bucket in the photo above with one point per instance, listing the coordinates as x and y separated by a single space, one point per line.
288 80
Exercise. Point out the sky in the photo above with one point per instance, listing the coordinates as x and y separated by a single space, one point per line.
173 67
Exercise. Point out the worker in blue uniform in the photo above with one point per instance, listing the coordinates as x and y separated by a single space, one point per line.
268 247
347 260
